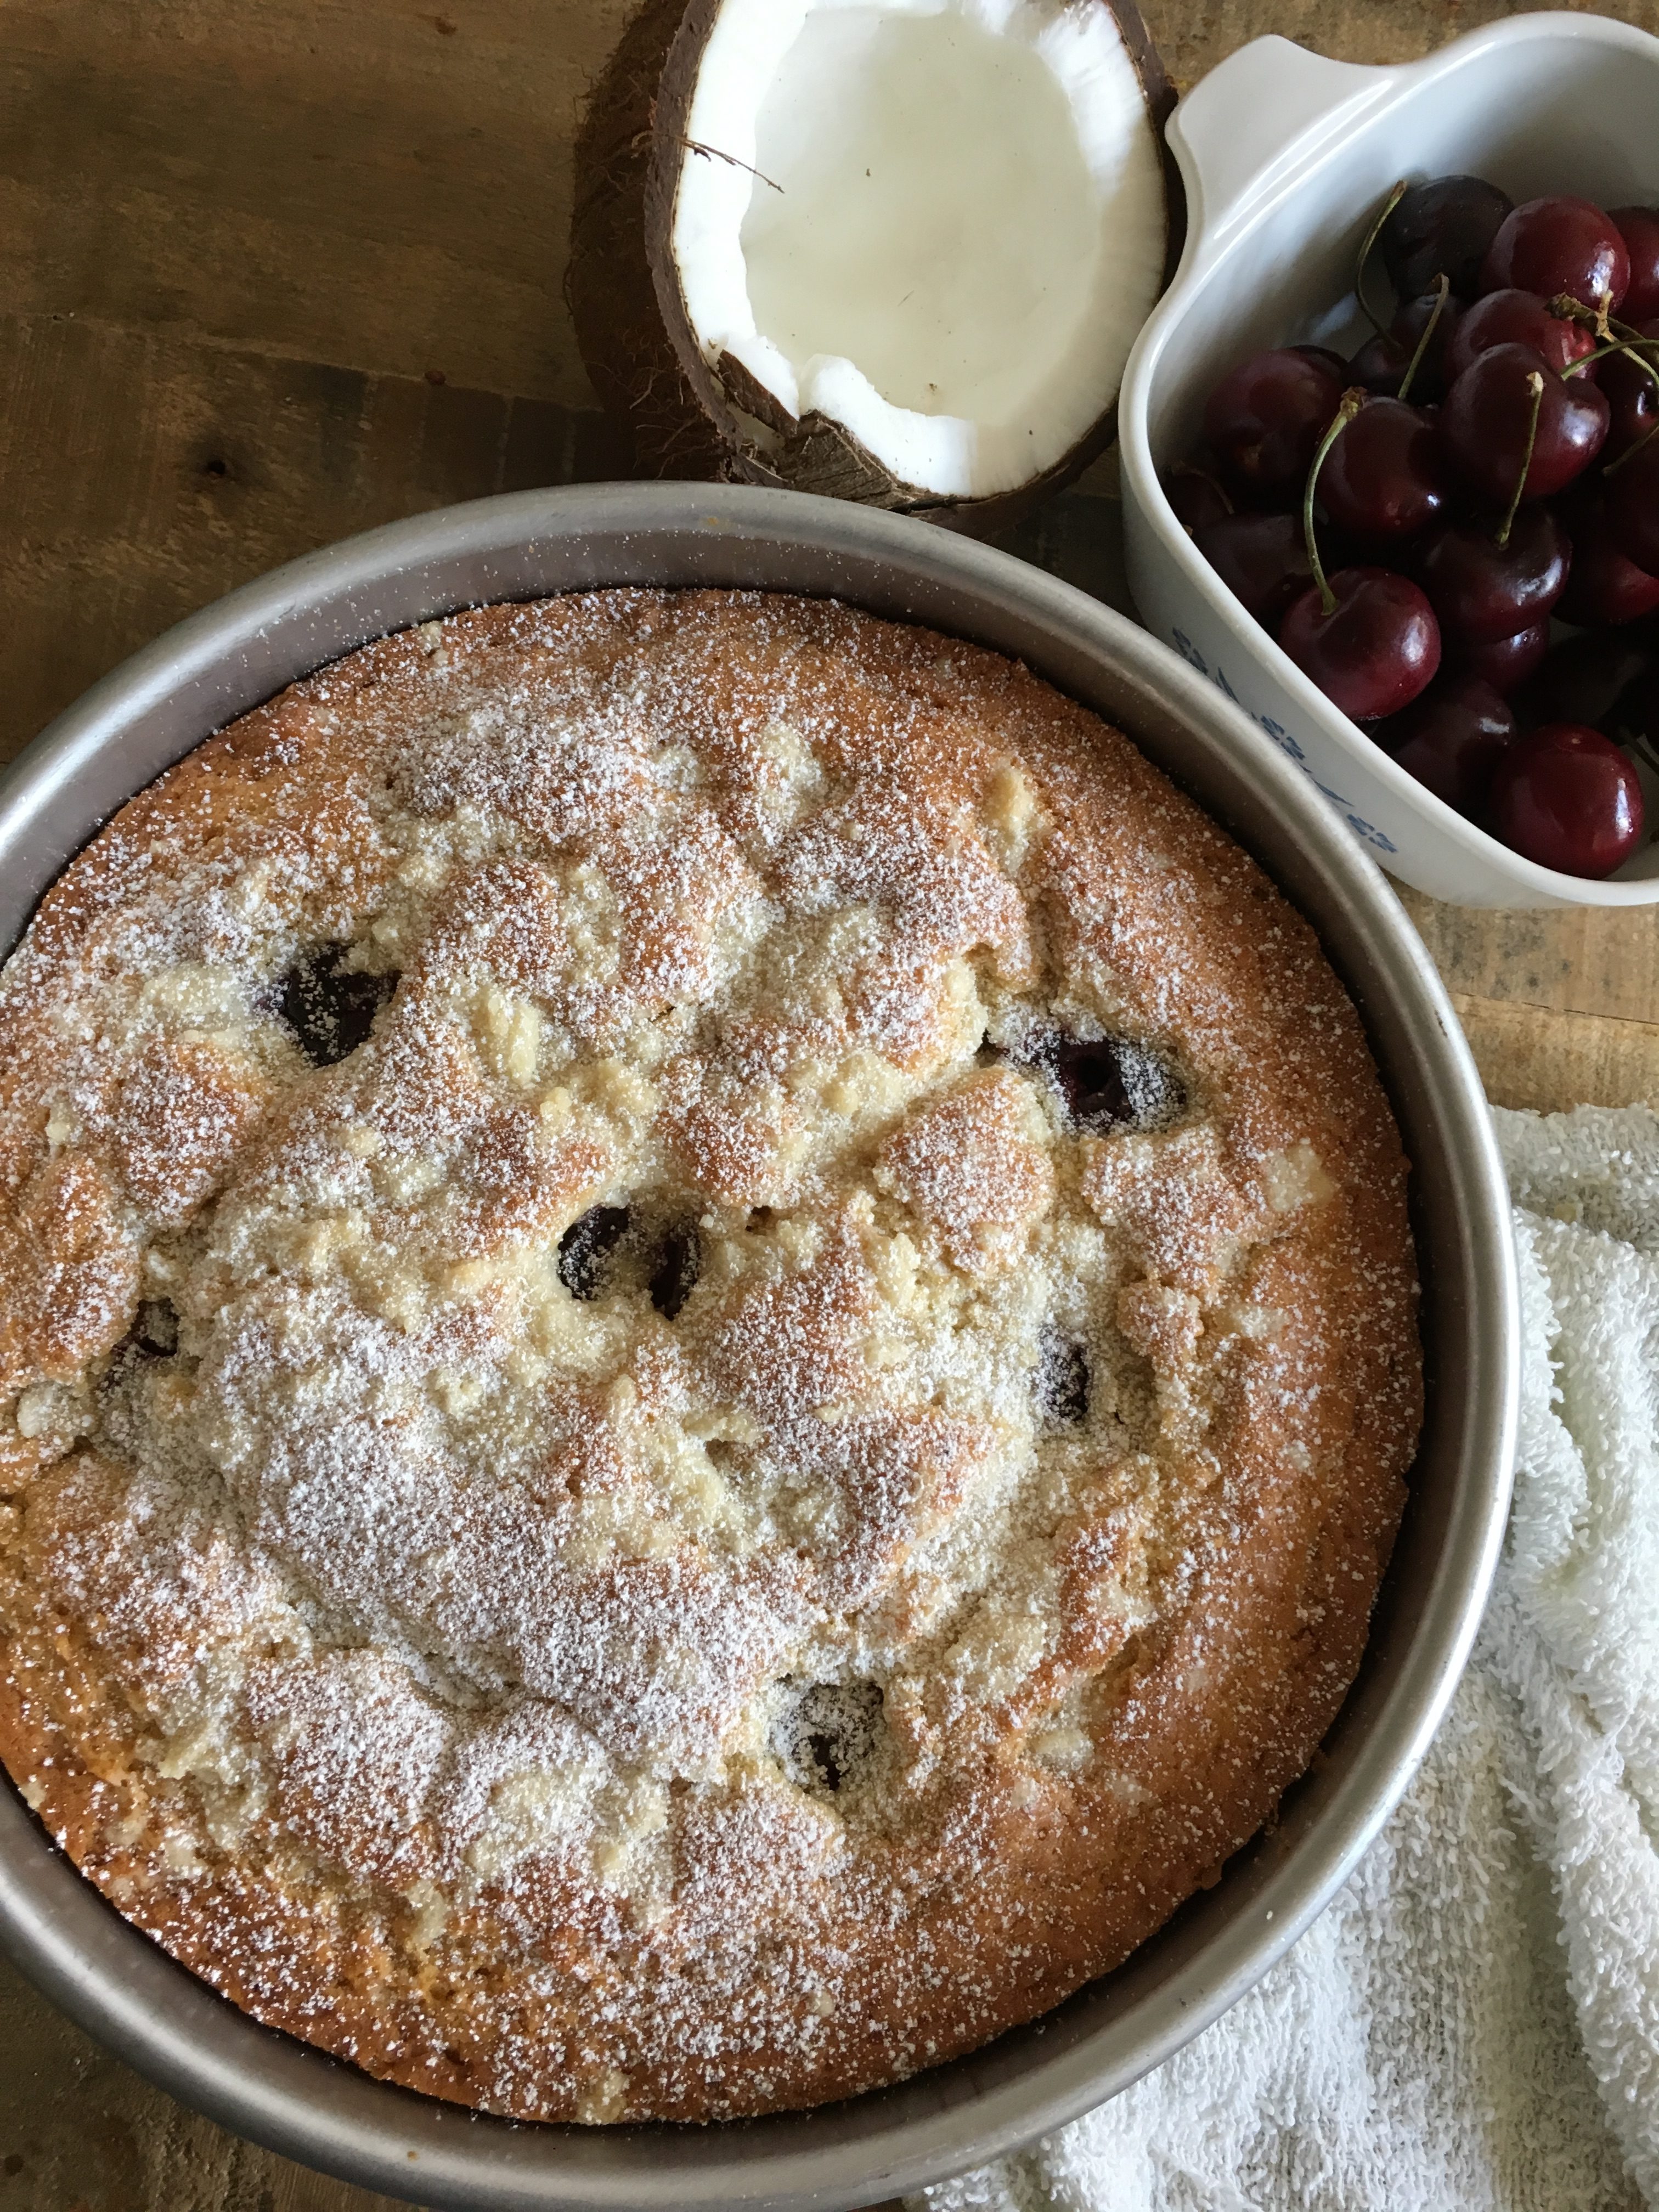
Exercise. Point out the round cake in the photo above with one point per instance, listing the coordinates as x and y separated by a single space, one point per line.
707 1349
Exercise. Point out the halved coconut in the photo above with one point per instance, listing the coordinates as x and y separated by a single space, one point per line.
895 251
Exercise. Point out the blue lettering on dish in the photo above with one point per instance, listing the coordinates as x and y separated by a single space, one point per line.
1286 744
1373 834
1282 737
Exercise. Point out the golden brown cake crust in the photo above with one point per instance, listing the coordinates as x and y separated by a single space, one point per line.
707 1350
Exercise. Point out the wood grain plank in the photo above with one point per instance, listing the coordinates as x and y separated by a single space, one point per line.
1585 960
1534 1057
375 184
144 473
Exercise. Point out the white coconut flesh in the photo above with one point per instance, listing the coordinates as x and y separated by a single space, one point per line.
938 222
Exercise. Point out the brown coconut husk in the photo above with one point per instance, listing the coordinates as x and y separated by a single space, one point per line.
688 417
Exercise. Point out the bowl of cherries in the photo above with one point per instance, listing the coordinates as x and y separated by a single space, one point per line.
1486 462
1425 506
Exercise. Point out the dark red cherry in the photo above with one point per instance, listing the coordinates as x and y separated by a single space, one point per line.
1505 663
1639 228
1324 357
1584 678
1561 244
1104 1082
1262 559
828 1733
1196 496
1512 318
1061 1385
330 1007
586 1248
1487 419
1383 478
153 1335
1443 227
676 1264
1481 591
1632 394
1382 363
1452 739
1632 494
1604 589
1567 798
1264 421
1375 652
1406 329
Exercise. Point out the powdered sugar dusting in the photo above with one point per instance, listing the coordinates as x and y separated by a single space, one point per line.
852 1599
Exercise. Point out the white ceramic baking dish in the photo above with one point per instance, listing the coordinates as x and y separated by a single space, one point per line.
1286 155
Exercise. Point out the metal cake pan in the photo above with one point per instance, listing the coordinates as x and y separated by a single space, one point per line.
124 1990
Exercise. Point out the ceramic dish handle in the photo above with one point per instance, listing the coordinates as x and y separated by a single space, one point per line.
1261 111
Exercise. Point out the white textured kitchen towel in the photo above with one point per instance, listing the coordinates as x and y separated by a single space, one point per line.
1473 2025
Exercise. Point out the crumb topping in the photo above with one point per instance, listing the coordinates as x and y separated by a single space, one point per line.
706 1346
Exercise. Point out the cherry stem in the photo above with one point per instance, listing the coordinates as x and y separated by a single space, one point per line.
1389 207
1214 482
1643 351
1566 309
1622 345
1634 347
1429 329
1353 401
1615 336
1535 383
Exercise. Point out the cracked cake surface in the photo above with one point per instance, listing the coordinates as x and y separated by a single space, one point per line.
708 1348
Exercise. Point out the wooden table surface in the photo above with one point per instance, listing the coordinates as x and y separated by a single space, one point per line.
272 272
